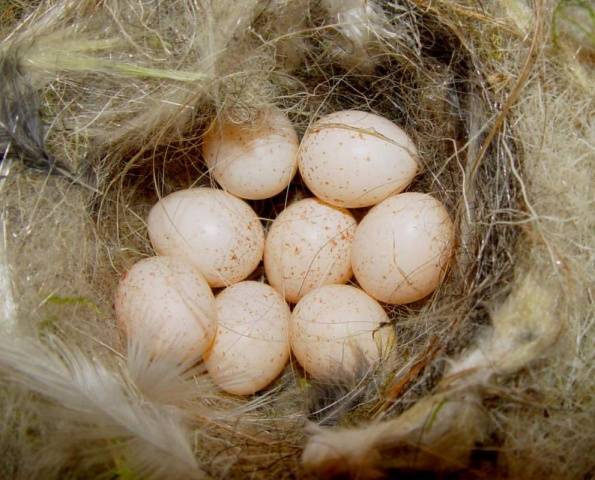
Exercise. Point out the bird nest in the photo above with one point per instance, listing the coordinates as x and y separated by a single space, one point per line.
103 105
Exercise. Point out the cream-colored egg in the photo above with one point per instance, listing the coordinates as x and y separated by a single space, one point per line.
256 161
356 159
252 346
216 232
402 248
338 330
308 245
165 304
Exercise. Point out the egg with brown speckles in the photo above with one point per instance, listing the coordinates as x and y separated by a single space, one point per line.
164 303
253 161
216 232
356 159
339 331
251 347
402 248
308 245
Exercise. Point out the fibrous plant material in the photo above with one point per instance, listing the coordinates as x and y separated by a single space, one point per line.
103 107
439 431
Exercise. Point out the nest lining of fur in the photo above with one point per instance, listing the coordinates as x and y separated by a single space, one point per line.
103 108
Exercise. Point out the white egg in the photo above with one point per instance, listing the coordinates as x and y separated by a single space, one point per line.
356 159
216 232
251 347
166 304
308 245
402 248
255 161
337 330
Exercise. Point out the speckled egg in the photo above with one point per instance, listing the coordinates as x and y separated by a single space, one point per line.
337 331
356 159
402 248
251 347
253 161
308 245
216 232
165 303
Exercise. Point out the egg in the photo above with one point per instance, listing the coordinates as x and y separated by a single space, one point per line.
402 248
337 330
251 347
256 161
308 245
166 304
214 231
356 159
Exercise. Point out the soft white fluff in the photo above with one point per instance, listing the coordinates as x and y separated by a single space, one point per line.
93 402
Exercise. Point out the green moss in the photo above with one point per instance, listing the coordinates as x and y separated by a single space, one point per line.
123 472
60 300
56 306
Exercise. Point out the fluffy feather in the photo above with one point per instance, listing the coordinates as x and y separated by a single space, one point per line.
20 122
22 129
96 406
7 303
363 26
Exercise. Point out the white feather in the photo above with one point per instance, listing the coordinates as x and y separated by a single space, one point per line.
94 403
7 303
363 25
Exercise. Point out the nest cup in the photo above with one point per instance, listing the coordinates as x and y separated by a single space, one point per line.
103 110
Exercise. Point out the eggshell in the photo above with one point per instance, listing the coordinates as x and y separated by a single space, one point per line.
356 159
251 347
402 248
308 245
216 232
338 330
253 161
166 304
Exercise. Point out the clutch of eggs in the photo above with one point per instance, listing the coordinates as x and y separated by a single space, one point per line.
166 305
308 245
253 162
356 159
402 247
217 233
251 346
337 330
205 237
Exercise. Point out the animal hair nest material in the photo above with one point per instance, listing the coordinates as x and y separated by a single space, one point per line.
102 108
